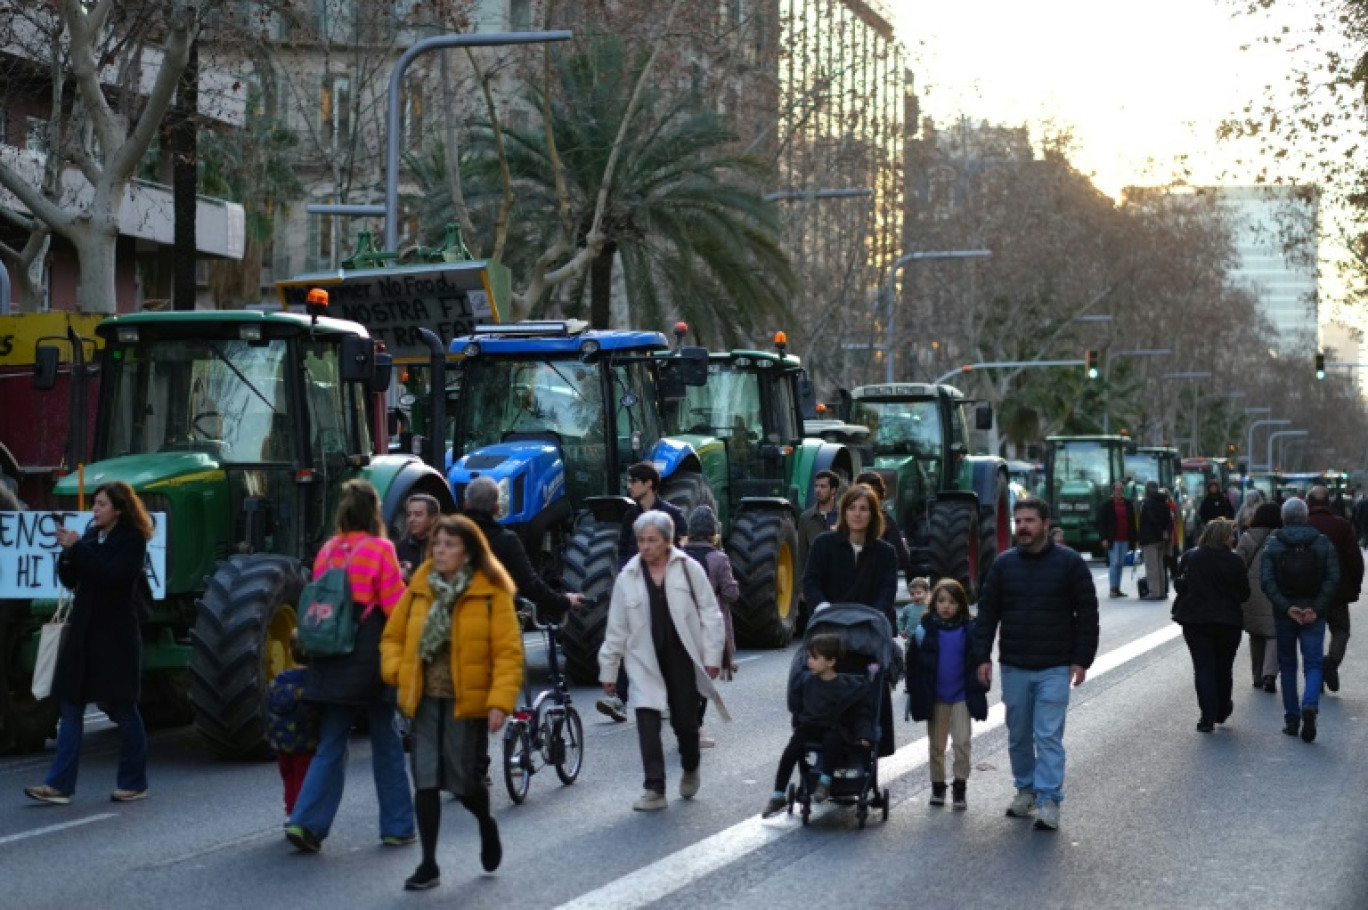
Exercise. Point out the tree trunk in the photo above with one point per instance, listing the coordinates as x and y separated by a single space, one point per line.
185 184
97 252
601 286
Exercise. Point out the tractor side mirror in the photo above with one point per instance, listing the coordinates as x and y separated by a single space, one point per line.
357 360
693 366
983 417
807 396
47 358
846 406
384 373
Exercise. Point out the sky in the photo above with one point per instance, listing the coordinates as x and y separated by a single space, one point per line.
1139 83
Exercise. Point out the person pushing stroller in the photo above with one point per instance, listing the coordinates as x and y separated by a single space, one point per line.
828 707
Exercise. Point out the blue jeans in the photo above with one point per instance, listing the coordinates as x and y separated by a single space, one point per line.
1311 638
322 791
132 774
1116 561
1037 702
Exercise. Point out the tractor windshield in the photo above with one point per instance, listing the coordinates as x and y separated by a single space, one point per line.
727 407
511 398
1087 461
903 427
227 398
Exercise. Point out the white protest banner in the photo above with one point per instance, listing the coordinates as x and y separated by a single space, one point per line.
29 553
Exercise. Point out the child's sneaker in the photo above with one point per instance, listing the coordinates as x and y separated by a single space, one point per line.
937 794
957 795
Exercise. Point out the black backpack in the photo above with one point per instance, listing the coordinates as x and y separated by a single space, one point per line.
1299 570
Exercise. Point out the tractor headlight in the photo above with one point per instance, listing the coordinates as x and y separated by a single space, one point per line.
505 497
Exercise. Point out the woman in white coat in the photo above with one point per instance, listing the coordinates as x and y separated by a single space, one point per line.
665 625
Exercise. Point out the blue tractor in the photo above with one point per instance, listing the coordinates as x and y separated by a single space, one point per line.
554 413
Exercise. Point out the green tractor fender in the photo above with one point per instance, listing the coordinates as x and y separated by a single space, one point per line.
813 455
397 477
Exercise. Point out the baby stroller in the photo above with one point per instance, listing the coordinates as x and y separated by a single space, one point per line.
869 651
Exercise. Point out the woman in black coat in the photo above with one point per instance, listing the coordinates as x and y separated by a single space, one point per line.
101 659
853 565
1212 585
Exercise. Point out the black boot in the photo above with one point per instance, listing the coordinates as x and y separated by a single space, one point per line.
957 795
937 794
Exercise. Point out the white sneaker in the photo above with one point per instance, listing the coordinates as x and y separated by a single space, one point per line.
650 801
612 707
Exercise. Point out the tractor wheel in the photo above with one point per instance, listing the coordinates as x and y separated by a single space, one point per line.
590 564
995 527
763 547
240 641
165 701
954 543
26 723
688 491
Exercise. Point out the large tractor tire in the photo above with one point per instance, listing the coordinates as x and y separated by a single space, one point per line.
240 641
995 527
954 543
763 548
589 564
687 490
165 701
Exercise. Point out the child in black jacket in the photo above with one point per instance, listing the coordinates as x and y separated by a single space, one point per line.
835 709
942 687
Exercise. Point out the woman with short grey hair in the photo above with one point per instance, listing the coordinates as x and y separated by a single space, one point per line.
665 626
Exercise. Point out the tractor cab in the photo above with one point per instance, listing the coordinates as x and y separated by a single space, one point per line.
1079 474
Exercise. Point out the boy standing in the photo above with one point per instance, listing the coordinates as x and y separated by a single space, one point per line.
827 707
910 616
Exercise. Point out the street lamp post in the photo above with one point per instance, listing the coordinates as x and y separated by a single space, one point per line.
1249 448
889 290
1276 434
1106 377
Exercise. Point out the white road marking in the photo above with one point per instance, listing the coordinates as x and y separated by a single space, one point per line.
672 873
52 829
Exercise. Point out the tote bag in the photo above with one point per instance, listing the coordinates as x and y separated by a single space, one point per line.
50 641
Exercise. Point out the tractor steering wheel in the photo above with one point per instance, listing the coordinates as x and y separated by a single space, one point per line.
204 434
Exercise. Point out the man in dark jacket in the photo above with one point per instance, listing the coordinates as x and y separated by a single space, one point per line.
420 516
1341 535
1156 530
481 502
1043 597
822 516
1300 576
1116 527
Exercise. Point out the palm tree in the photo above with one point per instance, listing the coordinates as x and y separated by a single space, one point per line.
684 217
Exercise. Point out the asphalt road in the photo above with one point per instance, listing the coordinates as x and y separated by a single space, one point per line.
1156 815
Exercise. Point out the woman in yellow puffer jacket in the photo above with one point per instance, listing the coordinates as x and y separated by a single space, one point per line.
453 647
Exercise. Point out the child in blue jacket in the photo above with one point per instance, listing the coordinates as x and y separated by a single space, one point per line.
292 725
942 687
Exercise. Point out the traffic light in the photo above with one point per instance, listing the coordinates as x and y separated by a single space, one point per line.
1090 356
1320 366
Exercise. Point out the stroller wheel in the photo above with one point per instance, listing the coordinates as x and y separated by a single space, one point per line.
792 797
884 809
861 814
806 814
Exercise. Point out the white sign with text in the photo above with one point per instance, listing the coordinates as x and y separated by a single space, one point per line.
29 553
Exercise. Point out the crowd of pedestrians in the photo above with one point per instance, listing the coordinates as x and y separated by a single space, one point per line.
438 639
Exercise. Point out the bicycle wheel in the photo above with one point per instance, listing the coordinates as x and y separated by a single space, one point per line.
517 761
568 734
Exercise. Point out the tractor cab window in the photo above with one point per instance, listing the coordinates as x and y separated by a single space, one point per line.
785 424
727 407
503 399
1086 461
636 417
225 398
337 414
902 429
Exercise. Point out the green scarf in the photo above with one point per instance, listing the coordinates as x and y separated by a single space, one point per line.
437 627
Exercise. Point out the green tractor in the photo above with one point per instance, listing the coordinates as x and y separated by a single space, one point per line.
239 429
953 506
1079 474
751 413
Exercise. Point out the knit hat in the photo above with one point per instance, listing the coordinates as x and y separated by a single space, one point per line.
702 523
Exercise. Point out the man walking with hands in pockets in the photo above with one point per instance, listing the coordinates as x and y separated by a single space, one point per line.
1043 597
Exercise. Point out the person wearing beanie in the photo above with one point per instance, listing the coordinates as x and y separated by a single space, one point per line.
702 545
